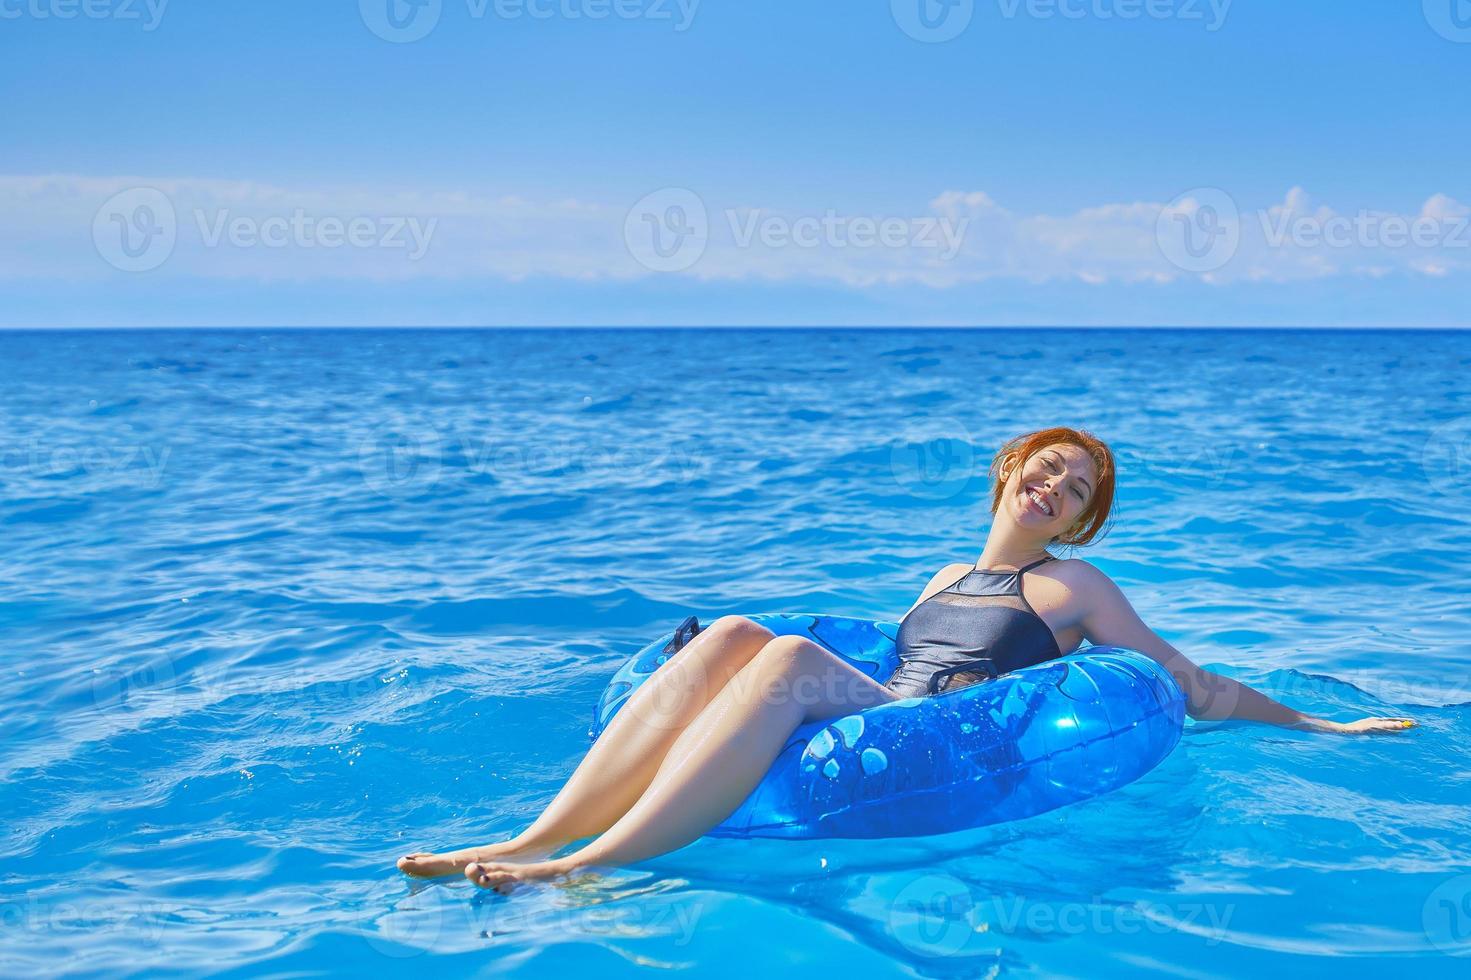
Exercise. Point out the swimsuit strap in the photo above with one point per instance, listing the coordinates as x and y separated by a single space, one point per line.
1018 572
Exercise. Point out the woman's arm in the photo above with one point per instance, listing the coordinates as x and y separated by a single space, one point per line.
1110 619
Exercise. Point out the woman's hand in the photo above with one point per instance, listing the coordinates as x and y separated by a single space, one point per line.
1364 726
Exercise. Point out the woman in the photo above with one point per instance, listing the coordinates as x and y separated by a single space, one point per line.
693 740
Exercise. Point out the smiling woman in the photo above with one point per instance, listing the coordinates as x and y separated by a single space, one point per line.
1055 460
694 740
975 621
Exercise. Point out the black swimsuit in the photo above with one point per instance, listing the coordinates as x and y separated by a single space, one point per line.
981 623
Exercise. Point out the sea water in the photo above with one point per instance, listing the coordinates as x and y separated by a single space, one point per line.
278 607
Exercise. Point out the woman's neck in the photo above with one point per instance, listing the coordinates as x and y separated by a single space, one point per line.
1010 551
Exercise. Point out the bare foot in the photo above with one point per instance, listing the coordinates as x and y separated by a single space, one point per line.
504 877
428 864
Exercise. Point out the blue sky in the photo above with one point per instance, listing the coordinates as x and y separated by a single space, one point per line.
278 162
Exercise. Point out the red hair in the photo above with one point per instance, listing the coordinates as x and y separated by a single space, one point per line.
1091 522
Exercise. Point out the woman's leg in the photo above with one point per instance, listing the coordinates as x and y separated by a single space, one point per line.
718 759
624 759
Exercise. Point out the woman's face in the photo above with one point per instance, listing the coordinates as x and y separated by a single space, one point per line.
1049 491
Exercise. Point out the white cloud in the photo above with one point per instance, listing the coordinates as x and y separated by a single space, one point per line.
53 230
1442 208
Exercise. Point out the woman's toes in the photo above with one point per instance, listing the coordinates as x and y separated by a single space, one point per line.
425 864
476 870
499 877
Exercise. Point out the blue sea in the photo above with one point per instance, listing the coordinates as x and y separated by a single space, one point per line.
280 606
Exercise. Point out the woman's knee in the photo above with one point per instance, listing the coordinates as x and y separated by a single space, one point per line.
740 629
685 683
790 655
797 669
722 648
730 642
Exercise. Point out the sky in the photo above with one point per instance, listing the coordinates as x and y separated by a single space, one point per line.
712 162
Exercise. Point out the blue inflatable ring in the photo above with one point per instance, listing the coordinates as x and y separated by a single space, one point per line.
1021 744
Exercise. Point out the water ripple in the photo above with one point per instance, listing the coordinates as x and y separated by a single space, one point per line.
279 606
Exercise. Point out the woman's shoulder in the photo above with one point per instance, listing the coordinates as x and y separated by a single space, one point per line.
1074 566
1087 584
940 581
949 575
1080 588
1077 572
